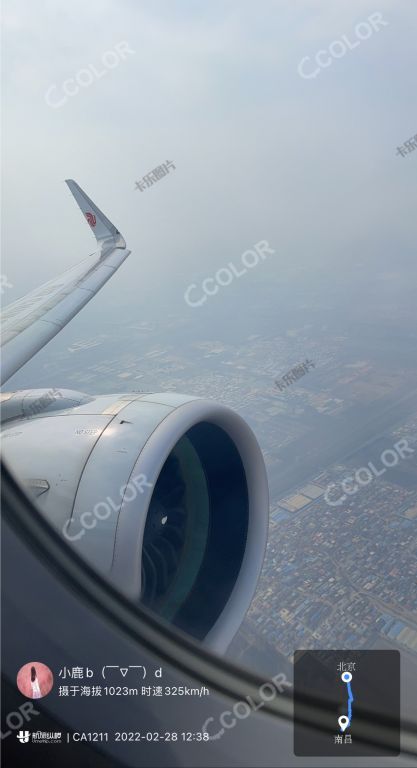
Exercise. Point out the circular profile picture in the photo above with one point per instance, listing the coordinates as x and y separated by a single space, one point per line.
35 680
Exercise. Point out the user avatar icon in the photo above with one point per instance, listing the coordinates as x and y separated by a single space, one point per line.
35 680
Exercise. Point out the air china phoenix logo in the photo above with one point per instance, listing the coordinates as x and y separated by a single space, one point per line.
91 219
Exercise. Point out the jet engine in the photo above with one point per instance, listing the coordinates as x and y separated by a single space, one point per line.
165 494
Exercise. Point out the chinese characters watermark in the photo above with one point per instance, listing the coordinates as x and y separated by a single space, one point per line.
42 402
153 176
294 374
409 146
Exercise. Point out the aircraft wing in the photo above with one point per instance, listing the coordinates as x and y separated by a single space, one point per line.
30 322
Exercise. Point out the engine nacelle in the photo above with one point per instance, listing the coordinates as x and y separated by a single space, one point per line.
165 494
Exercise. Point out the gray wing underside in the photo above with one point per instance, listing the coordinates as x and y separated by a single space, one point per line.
32 321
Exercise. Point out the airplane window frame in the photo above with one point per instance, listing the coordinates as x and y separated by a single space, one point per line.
169 644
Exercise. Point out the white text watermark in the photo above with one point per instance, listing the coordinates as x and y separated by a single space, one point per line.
364 475
103 509
57 96
337 49
225 275
241 710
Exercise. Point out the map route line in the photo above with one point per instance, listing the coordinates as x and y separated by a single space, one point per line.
350 700
345 720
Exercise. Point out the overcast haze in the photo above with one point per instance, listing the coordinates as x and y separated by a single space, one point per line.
260 153
308 164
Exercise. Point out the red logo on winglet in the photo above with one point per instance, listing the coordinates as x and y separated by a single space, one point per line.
91 219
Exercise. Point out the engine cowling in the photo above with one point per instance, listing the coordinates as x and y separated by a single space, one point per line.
165 494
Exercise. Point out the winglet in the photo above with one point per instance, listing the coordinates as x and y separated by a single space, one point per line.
32 321
100 225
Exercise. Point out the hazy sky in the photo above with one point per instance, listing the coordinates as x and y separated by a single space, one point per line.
309 164
261 153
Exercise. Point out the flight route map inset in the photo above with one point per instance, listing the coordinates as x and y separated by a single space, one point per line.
356 688
345 720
